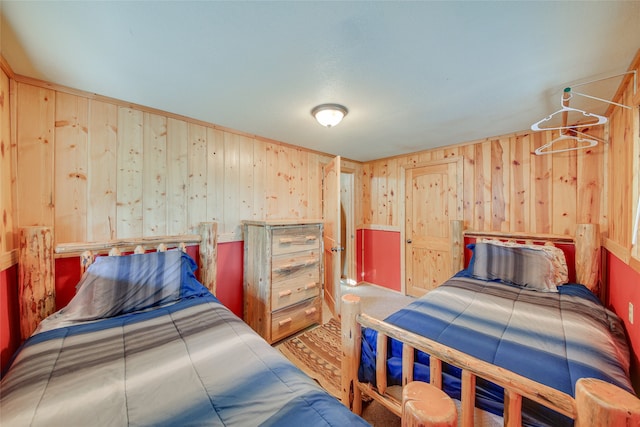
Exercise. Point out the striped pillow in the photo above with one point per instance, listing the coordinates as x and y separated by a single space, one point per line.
515 265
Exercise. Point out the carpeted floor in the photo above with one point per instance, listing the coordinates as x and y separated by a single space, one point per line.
317 351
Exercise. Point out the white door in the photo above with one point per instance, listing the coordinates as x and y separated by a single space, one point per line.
332 244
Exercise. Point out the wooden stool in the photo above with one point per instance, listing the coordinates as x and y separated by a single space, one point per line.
601 404
424 405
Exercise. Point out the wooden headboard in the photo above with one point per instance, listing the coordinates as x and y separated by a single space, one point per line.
36 265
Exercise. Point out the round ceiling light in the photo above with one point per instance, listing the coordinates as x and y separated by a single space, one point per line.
329 115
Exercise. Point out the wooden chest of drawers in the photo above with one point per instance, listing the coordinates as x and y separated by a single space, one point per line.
283 276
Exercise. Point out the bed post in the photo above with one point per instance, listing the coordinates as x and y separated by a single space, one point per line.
351 348
208 254
457 245
37 290
600 403
587 242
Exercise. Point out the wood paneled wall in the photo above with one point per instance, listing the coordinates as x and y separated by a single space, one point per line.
505 186
624 168
98 169
8 241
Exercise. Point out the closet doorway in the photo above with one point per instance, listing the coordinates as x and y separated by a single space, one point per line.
338 214
347 227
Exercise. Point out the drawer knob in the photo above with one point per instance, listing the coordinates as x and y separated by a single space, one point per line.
285 240
311 285
309 311
312 237
284 293
284 321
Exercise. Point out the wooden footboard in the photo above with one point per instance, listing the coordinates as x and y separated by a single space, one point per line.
596 404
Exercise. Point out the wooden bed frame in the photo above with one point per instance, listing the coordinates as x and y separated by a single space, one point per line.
36 265
597 403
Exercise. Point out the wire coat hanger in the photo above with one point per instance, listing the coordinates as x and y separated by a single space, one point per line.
567 109
591 141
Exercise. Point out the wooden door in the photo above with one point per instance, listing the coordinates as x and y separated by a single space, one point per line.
332 244
431 202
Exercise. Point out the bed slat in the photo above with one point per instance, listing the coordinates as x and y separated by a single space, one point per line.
435 372
512 409
468 397
408 357
381 363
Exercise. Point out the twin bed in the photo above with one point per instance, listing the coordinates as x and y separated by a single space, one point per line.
507 337
144 343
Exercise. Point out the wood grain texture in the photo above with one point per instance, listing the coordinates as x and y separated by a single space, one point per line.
506 187
36 283
177 176
154 175
282 276
125 171
129 176
197 174
424 405
601 404
209 255
7 235
70 169
102 172
35 156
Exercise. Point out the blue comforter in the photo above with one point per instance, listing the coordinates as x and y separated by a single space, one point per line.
552 338
187 362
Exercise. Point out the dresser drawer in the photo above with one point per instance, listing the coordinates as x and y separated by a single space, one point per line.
287 293
298 266
286 240
295 318
294 277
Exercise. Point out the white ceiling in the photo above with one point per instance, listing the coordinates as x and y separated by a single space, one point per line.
414 75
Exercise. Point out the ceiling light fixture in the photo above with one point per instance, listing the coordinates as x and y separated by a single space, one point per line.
329 115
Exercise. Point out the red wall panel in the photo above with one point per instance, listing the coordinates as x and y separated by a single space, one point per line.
378 259
230 276
624 288
9 315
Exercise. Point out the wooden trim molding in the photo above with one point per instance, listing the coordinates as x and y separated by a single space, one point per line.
622 253
635 264
8 259
4 66
379 227
555 238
